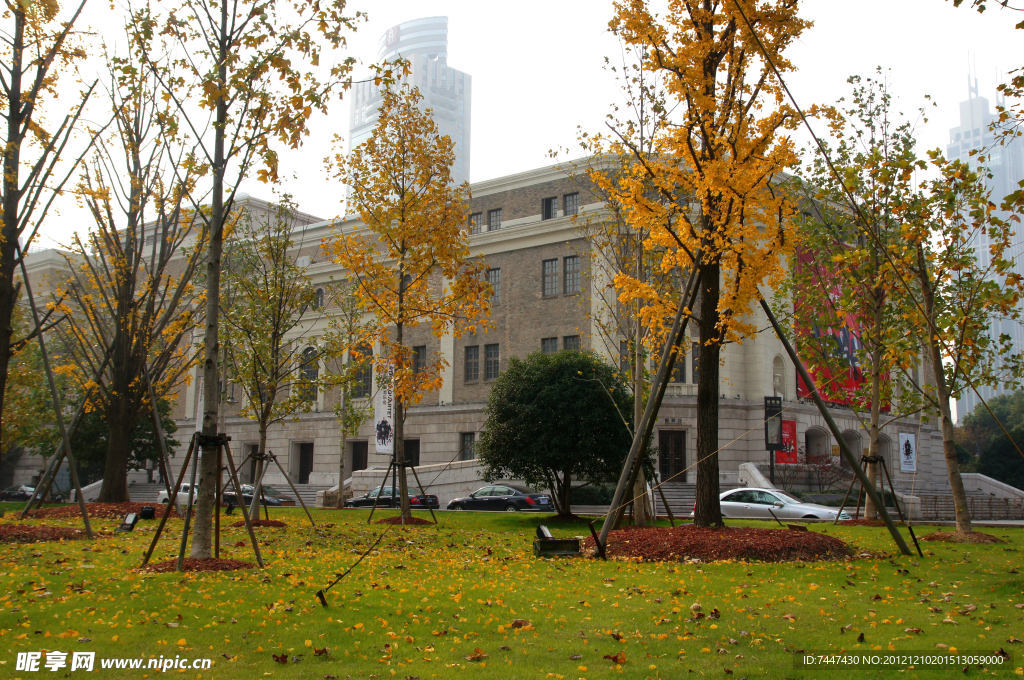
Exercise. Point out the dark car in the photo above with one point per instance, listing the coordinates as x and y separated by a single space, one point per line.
17 493
417 499
271 495
507 497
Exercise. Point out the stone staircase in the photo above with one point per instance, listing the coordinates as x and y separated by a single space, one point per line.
307 491
680 496
981 507
144 493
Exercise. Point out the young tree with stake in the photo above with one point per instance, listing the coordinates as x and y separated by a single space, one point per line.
132 291
712 166
267 300
411 265
36 54
244 75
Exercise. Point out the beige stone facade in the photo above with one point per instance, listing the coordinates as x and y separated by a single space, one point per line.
533 228
546 298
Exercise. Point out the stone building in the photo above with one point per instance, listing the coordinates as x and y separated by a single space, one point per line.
527 226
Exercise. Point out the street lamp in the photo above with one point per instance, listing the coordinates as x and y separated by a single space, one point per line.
772 431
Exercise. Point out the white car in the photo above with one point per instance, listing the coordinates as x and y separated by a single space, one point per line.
182 498
753 503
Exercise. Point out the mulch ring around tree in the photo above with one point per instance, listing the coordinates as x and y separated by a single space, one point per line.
261 523
957 537
690 543
98 510
21 533
191 564
408 521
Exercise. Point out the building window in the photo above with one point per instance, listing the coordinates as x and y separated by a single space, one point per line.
363 383
549 345
549 278
491 362
494 278
548 206
571 274
466 442
571 342
309 371
679 369
494 219
318 298
419 358
693 362
474 223
472 363
571 204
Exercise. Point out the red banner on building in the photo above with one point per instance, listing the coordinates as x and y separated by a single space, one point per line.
788 452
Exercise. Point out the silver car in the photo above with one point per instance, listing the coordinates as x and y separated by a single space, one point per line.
751 503
182 497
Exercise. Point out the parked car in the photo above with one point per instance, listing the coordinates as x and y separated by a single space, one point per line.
753 503
507 497
271 495
417 499
20 492
182 498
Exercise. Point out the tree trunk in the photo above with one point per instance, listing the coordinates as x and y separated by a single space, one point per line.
209 464
564 492
870 511
641 503
709 510
956 482
119 445
340 500
9 231
257 482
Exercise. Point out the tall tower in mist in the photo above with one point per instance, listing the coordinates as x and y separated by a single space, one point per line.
446 91
1005 161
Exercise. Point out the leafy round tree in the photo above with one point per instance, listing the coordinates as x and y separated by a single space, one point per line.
555 418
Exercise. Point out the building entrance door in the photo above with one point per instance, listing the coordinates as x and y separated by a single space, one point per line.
359 455
305 461
672 455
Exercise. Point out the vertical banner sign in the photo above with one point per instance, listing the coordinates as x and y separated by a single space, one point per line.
787 454
773 423
908 452
384 414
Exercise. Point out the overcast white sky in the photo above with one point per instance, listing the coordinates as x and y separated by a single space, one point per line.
537 68
537 72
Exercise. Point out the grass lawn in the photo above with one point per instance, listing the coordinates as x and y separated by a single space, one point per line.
468 595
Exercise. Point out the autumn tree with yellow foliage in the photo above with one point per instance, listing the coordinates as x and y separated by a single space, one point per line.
268 298
244 76
953 292
38 48
712 166
131 302
411 264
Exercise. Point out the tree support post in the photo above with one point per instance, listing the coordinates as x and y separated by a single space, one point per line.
292 486
58 410
851 460
642 430
159 430
171 498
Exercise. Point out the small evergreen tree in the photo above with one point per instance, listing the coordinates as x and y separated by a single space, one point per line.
557 418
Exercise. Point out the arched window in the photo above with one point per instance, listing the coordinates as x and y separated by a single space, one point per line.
309 373
318 299
779 377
